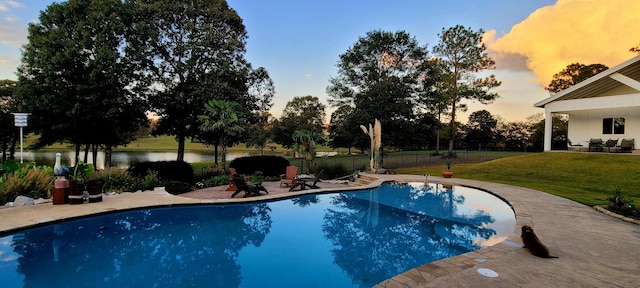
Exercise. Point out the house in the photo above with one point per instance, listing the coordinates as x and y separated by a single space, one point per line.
605 106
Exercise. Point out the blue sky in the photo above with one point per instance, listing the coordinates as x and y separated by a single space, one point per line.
299 41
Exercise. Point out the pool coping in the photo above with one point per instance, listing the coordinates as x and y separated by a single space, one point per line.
433 274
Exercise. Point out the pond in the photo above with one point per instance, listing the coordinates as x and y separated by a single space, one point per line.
125 159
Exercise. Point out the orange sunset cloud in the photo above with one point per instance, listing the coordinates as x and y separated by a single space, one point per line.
552 37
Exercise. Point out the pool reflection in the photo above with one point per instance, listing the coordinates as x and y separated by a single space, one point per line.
112 252
378 235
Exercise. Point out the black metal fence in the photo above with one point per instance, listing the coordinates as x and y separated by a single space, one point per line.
408 160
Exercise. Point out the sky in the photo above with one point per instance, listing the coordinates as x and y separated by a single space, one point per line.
299 41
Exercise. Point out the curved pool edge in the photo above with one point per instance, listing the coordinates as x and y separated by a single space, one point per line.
43 214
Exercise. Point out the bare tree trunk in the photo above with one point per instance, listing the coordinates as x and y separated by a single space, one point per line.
108 149
77 156
86 153
180 139
224 153
215 155
94 156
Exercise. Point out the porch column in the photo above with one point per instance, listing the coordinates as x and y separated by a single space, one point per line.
548 129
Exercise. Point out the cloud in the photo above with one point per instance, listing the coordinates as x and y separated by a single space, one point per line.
570 31
308 76
12 33
14 4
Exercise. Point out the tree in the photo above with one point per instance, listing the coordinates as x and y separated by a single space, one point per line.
342 129
480 129
305 143
194 52
8 106
382 77
225 119
572 75
463 54
76 77
301 113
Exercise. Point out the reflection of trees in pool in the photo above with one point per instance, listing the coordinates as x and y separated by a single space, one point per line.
377 241
144 248
306 200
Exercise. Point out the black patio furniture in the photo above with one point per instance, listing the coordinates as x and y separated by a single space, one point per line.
611 143
571 145
248 189
306 182
626 145
595 144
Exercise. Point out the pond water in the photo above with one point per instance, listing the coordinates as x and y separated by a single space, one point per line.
125 159
350 239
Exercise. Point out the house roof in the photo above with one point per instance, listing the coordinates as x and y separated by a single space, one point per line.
598 84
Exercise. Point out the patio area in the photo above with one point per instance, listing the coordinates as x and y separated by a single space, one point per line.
595 250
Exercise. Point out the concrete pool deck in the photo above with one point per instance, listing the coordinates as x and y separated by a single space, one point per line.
595 250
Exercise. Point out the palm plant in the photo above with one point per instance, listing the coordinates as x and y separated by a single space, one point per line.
223 118
305 143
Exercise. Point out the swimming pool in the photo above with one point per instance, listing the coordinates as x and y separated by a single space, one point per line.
351 239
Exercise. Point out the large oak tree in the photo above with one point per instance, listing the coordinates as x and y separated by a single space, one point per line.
194 51
572 75
76 76
382 77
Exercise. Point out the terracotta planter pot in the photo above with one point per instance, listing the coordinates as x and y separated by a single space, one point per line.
59 196
447 173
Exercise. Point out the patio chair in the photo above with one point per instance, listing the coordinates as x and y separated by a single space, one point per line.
595 144
232 186
248 189
571 145
307 183
611 143
626 145
288 177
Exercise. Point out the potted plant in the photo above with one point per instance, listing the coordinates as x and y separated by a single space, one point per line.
77 180
448 173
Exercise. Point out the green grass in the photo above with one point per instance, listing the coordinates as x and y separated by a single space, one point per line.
585 178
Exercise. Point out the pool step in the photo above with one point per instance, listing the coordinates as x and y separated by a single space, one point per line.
363 180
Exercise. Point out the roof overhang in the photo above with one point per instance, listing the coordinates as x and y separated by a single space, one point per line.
624 74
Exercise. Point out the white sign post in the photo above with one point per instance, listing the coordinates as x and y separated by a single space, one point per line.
21 121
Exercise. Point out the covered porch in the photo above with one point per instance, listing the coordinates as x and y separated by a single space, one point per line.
605 106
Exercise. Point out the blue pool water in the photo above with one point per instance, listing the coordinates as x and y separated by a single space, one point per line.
351 239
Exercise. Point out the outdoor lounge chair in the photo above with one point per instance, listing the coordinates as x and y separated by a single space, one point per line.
595 144
626 145
571 145
307 183
232 186
611 143
290 174
248 189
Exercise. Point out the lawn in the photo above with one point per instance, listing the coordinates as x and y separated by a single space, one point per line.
585 178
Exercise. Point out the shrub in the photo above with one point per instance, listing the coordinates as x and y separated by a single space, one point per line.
208 172
176 187
117 180
28 181
214 181
331 170
621 204
167 170
269 165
